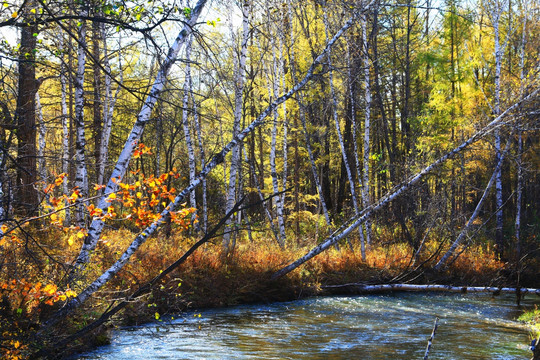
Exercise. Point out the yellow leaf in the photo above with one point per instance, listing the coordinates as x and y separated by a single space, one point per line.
80 234
16 344
54 217
4 228
139 195
70 241
112 196
156 315
14 15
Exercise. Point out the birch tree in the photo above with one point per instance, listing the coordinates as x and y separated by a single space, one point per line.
340 136
240 79
65 124
496 7
108 106
81 176
367 125
185 123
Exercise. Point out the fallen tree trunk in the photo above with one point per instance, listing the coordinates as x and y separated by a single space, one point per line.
363 288
359 219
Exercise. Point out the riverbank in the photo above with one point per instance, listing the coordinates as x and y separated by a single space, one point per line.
207 280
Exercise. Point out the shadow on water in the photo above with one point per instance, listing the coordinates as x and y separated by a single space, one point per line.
392 326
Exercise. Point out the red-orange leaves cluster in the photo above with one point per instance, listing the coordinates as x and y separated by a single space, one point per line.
25 296
142 201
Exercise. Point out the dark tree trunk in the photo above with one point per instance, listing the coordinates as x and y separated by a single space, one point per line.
25 114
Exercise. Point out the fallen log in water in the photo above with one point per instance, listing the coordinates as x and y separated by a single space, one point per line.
363 288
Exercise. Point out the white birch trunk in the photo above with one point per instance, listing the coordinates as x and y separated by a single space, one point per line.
108 107
356 221
81 175
273 169
367 125
495 18
217 159
238 104
285 120
340 137
65 129
185 125
95 229
355 142
474 215
203 164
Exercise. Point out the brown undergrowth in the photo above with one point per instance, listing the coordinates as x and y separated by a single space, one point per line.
207 279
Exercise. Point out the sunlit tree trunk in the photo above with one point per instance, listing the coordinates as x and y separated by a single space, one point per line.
273 169
495 12
240 79
81 176
367 125
186 127
339 134
108 107
65 126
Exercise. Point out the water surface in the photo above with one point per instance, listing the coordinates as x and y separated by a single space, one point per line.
392 326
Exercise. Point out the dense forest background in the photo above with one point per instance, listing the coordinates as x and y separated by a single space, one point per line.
360 126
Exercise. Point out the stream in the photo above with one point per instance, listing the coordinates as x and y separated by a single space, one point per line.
390 326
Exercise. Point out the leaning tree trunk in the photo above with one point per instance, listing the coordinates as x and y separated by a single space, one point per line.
474 215
358 220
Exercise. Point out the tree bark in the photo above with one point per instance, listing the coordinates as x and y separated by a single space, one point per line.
238 106
25 117
81 176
